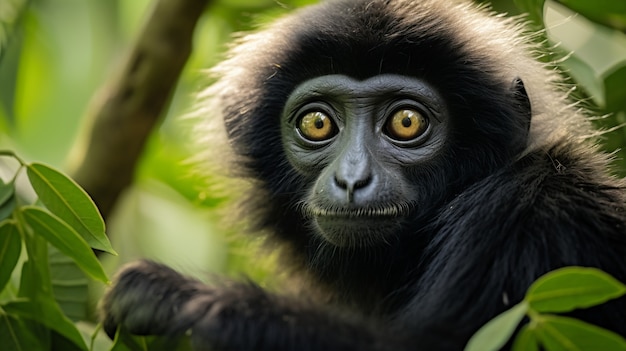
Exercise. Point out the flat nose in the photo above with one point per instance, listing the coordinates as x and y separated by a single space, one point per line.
353 174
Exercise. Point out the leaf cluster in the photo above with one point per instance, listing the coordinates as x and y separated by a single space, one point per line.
63 222
559 291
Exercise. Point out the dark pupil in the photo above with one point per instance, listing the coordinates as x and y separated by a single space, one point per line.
406 122
319 123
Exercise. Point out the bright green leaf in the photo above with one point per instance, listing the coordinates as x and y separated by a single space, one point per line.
63 197
526 340
64 238
10 249
45 311
569 288
494 334
568 334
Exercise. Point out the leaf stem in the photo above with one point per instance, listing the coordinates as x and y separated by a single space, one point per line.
9 153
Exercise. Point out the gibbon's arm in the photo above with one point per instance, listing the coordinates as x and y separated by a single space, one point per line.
150 298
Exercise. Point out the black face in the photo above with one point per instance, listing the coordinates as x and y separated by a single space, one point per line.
353 140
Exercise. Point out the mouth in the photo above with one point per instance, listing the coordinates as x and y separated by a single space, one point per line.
358 227
358 213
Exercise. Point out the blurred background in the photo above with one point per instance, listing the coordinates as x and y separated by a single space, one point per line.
55 55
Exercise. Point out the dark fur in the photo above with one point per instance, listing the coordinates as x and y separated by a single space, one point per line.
505 202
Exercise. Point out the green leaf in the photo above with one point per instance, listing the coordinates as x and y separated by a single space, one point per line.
585 76
35 278
568 334
7 199
64 238
494 334
16 336
124 341
69 284
599 6
614 87
611 13
569 288
61 343
45 311
98 340
7 208
10 249
526 340
6 191
534 8
63 197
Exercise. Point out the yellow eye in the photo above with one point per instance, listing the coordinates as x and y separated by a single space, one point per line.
316 126
406 124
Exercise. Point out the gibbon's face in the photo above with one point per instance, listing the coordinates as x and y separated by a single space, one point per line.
354 140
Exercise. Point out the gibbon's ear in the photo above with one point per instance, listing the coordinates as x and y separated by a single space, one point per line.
522 101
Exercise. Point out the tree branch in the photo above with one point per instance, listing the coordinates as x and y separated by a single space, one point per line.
124 112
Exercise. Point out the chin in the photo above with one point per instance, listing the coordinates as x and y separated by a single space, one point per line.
357 231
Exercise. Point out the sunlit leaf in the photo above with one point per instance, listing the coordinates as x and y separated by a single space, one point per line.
526 340
568 334
45 311
494 334
64 238
10 249
569 288
63 197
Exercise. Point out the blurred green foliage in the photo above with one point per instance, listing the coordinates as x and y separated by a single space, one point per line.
591 47
54 54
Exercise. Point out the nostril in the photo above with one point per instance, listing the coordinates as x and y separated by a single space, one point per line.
351 184
343 184
363 183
